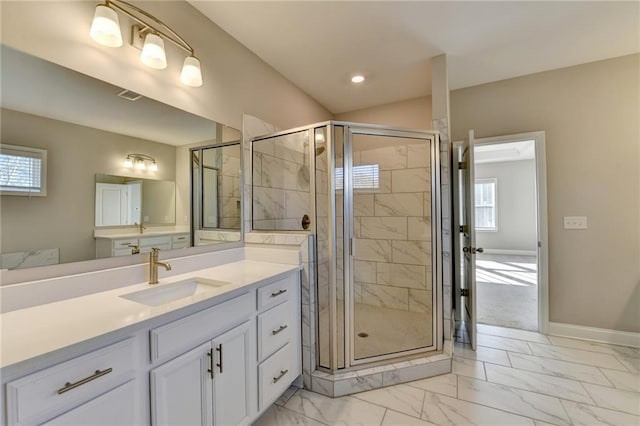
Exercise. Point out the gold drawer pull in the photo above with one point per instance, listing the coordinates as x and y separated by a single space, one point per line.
282 373
282 327
278 293
68 386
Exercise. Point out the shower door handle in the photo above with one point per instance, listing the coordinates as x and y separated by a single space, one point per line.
352 247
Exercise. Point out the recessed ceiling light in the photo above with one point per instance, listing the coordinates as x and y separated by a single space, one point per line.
357 78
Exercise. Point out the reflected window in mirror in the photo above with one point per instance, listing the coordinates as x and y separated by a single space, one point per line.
216 211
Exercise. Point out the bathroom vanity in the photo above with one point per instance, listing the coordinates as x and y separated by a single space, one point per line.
122 244
210 346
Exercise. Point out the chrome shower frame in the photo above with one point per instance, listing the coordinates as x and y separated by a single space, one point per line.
350 129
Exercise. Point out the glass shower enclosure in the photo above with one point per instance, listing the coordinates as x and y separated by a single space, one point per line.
371 197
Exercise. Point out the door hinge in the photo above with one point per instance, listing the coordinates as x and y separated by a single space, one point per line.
464 292
461 166
462 229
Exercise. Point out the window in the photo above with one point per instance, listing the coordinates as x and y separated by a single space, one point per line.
366 176
486 206
23 171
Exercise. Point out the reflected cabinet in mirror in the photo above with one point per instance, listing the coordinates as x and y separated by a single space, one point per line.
90 170
215 183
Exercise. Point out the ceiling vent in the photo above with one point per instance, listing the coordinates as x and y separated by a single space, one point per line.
129 95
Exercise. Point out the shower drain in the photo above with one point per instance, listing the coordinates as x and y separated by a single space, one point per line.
363 334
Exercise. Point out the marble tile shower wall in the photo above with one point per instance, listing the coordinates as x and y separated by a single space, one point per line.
392 227
229 187
442 126
251 127
281 182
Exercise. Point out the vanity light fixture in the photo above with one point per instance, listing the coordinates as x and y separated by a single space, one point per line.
139 162
150 35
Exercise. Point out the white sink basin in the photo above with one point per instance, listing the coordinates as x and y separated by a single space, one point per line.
165 293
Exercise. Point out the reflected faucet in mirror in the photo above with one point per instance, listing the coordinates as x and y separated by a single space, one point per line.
140 226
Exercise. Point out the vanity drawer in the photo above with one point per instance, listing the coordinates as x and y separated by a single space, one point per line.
272 294
179 239
124 244
274 329
275 375
181 335
50 392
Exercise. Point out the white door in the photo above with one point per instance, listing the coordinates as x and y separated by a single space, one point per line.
181 390
467 237
111 204
232 387
116 407
134 214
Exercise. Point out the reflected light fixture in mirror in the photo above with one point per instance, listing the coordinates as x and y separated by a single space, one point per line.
139 162
105 30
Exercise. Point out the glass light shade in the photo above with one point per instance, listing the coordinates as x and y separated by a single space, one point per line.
105 28
128 162
153 167
357 78
153 54
140 165
191 74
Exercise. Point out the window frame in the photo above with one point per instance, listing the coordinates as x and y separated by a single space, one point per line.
494 181
33 153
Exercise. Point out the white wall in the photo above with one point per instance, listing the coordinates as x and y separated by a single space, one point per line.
412 113
590 115
516 195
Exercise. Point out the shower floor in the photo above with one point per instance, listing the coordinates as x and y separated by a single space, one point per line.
388 331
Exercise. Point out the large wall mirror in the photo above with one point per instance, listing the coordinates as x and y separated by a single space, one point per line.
91 170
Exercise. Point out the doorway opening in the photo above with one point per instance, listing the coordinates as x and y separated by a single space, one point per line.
500 252
506 229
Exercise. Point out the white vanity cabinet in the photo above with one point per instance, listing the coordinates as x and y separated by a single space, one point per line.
221 364
82 388
210 384
122 246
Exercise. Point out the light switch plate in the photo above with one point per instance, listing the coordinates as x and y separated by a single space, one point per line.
575 222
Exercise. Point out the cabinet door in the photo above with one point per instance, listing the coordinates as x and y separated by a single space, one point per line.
181 390
233 377
100 411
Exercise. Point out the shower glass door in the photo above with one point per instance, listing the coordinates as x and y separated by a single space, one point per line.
387 183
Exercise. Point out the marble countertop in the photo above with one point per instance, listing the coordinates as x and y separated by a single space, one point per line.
35 331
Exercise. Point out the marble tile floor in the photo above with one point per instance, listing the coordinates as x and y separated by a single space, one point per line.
387 330
507 291
518 378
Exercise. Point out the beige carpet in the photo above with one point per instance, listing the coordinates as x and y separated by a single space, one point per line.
507 291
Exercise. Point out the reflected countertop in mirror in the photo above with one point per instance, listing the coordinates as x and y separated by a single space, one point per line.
88 127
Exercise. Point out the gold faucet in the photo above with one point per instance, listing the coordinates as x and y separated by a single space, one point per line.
153 266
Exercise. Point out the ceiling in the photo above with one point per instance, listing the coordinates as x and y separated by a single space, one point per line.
35 86
506 151
319 45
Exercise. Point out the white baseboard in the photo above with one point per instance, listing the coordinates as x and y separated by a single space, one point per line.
603 335
513 252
